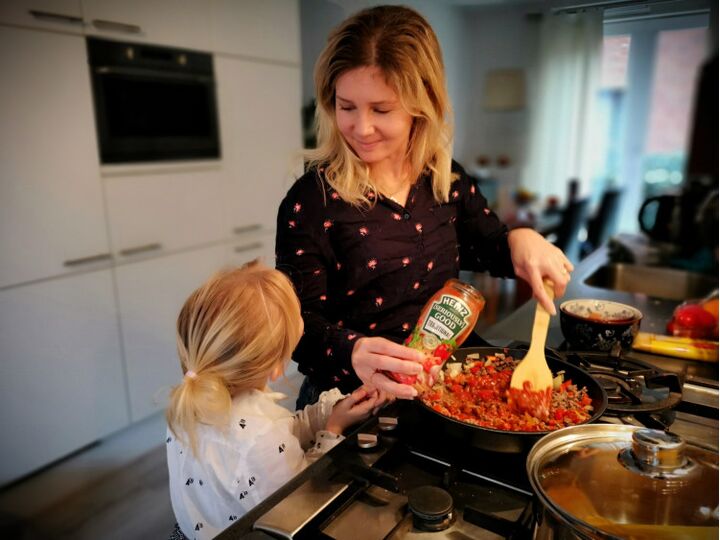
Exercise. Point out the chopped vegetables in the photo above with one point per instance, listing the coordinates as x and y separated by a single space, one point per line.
476 392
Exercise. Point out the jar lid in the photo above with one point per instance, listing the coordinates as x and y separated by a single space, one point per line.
627 481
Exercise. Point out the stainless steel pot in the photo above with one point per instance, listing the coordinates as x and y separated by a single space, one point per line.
617 481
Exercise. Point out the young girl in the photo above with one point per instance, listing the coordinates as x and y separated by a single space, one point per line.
229 443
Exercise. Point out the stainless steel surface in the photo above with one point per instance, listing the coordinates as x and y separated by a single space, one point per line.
297 509
656 453
287 518
658 449
696 430
573 470
700 394
377 509
667 283
88 260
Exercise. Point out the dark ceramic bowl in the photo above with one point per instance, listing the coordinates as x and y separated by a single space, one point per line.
598 324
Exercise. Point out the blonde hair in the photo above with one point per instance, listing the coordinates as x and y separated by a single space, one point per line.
231 333
401 43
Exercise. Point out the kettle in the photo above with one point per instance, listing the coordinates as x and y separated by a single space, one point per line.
688 219
660 218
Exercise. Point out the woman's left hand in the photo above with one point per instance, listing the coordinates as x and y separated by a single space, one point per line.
535 259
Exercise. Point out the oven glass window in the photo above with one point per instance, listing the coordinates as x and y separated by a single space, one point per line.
155 108
153 103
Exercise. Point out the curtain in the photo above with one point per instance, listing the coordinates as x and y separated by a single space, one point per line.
564 134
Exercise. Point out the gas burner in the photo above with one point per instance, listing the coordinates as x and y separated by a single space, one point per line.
633 387
431 507
619 389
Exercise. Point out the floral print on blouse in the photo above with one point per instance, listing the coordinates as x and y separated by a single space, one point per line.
369 271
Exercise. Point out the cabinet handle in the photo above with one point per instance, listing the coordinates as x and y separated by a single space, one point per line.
248 247
155 246
247 228
55 17
102 24
88 260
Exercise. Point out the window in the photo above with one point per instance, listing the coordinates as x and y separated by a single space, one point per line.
649 74
613 86
678 57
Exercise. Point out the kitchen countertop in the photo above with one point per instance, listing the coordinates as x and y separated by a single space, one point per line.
656 313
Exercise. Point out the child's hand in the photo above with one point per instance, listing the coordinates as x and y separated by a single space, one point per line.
354 408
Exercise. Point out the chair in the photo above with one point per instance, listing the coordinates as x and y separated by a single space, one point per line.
603 224
566 234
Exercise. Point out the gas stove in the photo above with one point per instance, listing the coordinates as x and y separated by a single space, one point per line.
393 480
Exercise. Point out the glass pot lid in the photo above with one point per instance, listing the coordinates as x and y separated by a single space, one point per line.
627 481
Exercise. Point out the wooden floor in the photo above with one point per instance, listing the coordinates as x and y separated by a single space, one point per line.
130 503
118 489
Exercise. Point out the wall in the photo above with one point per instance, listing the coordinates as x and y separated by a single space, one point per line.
497 39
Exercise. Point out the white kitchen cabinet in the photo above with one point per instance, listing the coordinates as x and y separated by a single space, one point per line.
51 208
247 247
163 211
62 383
60 15
150 295
262 138
179 23
268 29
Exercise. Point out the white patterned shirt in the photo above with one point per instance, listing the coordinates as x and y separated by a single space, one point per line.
263 447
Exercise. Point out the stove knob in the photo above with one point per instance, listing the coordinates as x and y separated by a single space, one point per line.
387 423
367 441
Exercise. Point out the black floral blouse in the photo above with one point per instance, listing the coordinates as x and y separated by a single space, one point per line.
368 272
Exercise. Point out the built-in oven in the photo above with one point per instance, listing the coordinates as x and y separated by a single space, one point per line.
153 103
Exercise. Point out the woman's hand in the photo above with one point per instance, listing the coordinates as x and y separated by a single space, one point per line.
535 259
372 356
354 408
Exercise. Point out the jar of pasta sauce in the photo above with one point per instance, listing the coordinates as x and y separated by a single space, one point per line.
444 323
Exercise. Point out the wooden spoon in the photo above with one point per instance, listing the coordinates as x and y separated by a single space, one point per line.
531 383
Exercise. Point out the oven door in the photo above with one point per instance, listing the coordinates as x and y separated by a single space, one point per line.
154 115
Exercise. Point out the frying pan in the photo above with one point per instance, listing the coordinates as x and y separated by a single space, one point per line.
498 440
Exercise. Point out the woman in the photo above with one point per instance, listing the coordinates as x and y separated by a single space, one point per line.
384 217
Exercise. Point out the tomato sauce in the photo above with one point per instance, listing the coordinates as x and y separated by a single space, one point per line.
477 393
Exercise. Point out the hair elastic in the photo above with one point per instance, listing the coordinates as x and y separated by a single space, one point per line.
190 374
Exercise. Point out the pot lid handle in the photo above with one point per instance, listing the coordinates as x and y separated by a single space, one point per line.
656 453
658 449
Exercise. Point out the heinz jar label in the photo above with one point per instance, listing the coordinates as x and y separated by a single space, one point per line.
447 317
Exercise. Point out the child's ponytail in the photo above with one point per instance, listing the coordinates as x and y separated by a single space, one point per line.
231 333
200 398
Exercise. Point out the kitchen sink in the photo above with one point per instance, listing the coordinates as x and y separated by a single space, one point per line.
665 283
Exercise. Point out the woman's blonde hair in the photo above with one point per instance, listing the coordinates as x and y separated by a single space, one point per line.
401 43
231 333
